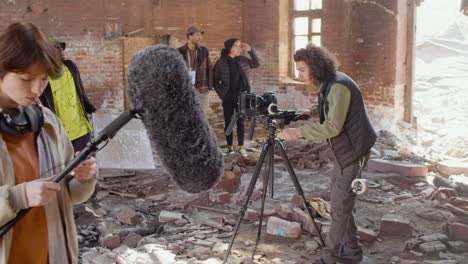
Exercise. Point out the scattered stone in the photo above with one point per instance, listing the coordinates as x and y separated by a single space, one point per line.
402 168
248 243
157 197
394 260
462 183
230 182
457 231
198 252
181 222
426 193
101 194
129 216
412 243
434 237
395 225
269 212
420 184
224 197
366 234
443 182
457 246
432 247
110 242
416 254
451 167
284 211
219 250
280 227
131 240
167 216
306 221
250 215
311 245
432 214
404 261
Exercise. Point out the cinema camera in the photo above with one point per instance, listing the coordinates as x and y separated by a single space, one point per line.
251 106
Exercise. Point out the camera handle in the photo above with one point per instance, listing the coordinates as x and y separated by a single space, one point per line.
269 149
235 116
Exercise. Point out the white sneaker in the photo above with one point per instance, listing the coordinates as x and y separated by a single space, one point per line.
228 151
243 153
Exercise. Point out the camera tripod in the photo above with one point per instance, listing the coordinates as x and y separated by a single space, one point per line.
269 149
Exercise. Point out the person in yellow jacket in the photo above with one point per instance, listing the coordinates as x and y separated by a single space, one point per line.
33 148
66 97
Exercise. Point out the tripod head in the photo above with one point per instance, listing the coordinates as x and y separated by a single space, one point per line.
251 106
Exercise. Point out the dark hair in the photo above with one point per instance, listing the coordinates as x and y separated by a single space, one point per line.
228 46
22 45
322 64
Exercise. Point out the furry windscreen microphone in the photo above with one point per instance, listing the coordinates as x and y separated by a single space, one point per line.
160 89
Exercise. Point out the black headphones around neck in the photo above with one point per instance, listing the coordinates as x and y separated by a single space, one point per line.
22 120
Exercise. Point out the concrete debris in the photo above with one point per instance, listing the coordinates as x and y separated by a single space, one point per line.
166 216
280 227
395 225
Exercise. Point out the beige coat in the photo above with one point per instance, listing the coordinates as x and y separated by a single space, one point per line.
13 197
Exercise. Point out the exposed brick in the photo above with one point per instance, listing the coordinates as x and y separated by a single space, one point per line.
131 240
229 183
262 24
366 234
110 242
251 215
224 197
457 231
128 216
402 168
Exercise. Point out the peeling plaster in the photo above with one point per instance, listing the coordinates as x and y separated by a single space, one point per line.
388 11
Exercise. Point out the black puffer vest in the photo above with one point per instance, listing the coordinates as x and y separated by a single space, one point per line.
357 136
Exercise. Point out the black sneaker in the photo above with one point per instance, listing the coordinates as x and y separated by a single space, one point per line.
350 253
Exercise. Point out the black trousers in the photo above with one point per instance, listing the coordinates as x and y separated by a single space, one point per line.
80 143
229 105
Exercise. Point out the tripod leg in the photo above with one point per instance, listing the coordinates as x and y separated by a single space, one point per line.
298 187
234 118
249 192
266 176
271 166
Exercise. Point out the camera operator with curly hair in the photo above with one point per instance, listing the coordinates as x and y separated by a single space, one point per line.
345 125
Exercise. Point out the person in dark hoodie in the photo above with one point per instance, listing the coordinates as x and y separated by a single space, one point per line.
231 77
66 97
345 125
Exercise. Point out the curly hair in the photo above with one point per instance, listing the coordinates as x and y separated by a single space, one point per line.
322 64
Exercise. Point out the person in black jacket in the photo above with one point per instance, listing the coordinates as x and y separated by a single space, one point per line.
67 99
231 77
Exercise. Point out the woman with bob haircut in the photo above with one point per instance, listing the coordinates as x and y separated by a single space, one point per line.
33 148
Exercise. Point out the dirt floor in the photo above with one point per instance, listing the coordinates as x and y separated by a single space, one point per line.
203 233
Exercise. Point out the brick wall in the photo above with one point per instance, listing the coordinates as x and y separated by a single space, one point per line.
368 38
